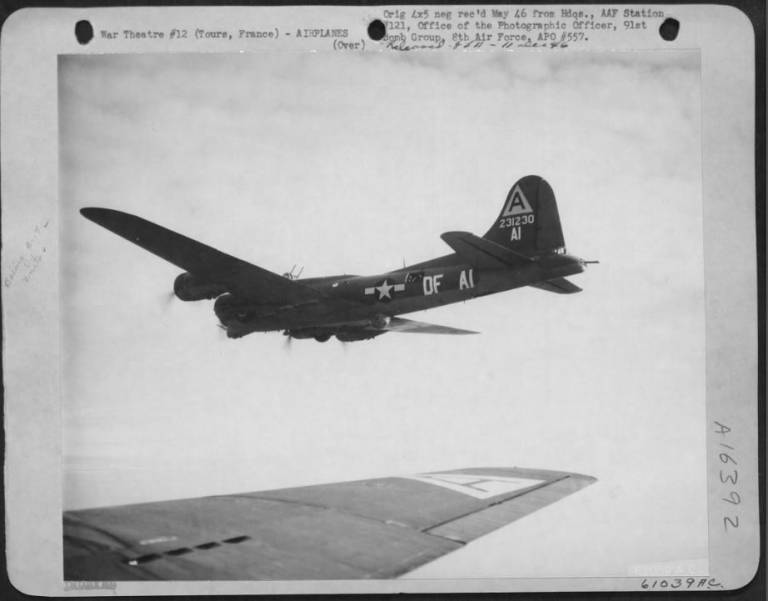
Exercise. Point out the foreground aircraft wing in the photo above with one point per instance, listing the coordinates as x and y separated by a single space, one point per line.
558 285
379 528
203 261
398 324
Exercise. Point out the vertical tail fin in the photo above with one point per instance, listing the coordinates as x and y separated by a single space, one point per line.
529 222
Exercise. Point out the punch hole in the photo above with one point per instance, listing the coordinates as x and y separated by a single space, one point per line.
376 30
83 32
669 29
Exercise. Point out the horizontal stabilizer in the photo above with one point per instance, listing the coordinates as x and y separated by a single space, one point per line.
380 528
203 261
398 324
483 253
557 285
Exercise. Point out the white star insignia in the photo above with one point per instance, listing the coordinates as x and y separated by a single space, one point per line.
384 290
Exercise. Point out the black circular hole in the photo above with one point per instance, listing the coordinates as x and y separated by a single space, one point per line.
83 31
376 30
669 29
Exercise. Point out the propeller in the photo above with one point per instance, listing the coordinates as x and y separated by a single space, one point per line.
168 298
288 342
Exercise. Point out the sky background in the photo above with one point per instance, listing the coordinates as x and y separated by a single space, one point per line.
352 164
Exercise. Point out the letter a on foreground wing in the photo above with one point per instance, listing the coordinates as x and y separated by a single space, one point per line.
379 528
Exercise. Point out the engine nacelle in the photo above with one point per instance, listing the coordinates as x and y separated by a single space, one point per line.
229 308
380 321
319 334
187 287
352 335
345 334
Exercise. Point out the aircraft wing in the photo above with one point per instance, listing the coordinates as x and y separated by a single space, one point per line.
203 261
399 324
481 252
379 528
557 285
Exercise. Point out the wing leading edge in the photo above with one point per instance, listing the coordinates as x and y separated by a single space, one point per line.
380 528
202 260
410 326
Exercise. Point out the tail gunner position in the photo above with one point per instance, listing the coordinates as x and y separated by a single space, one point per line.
524 247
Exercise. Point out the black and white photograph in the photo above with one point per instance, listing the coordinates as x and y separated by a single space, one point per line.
298 325
441 320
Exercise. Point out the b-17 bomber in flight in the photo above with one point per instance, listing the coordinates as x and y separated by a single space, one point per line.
523 247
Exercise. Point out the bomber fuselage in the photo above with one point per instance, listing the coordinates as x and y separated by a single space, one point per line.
441 281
